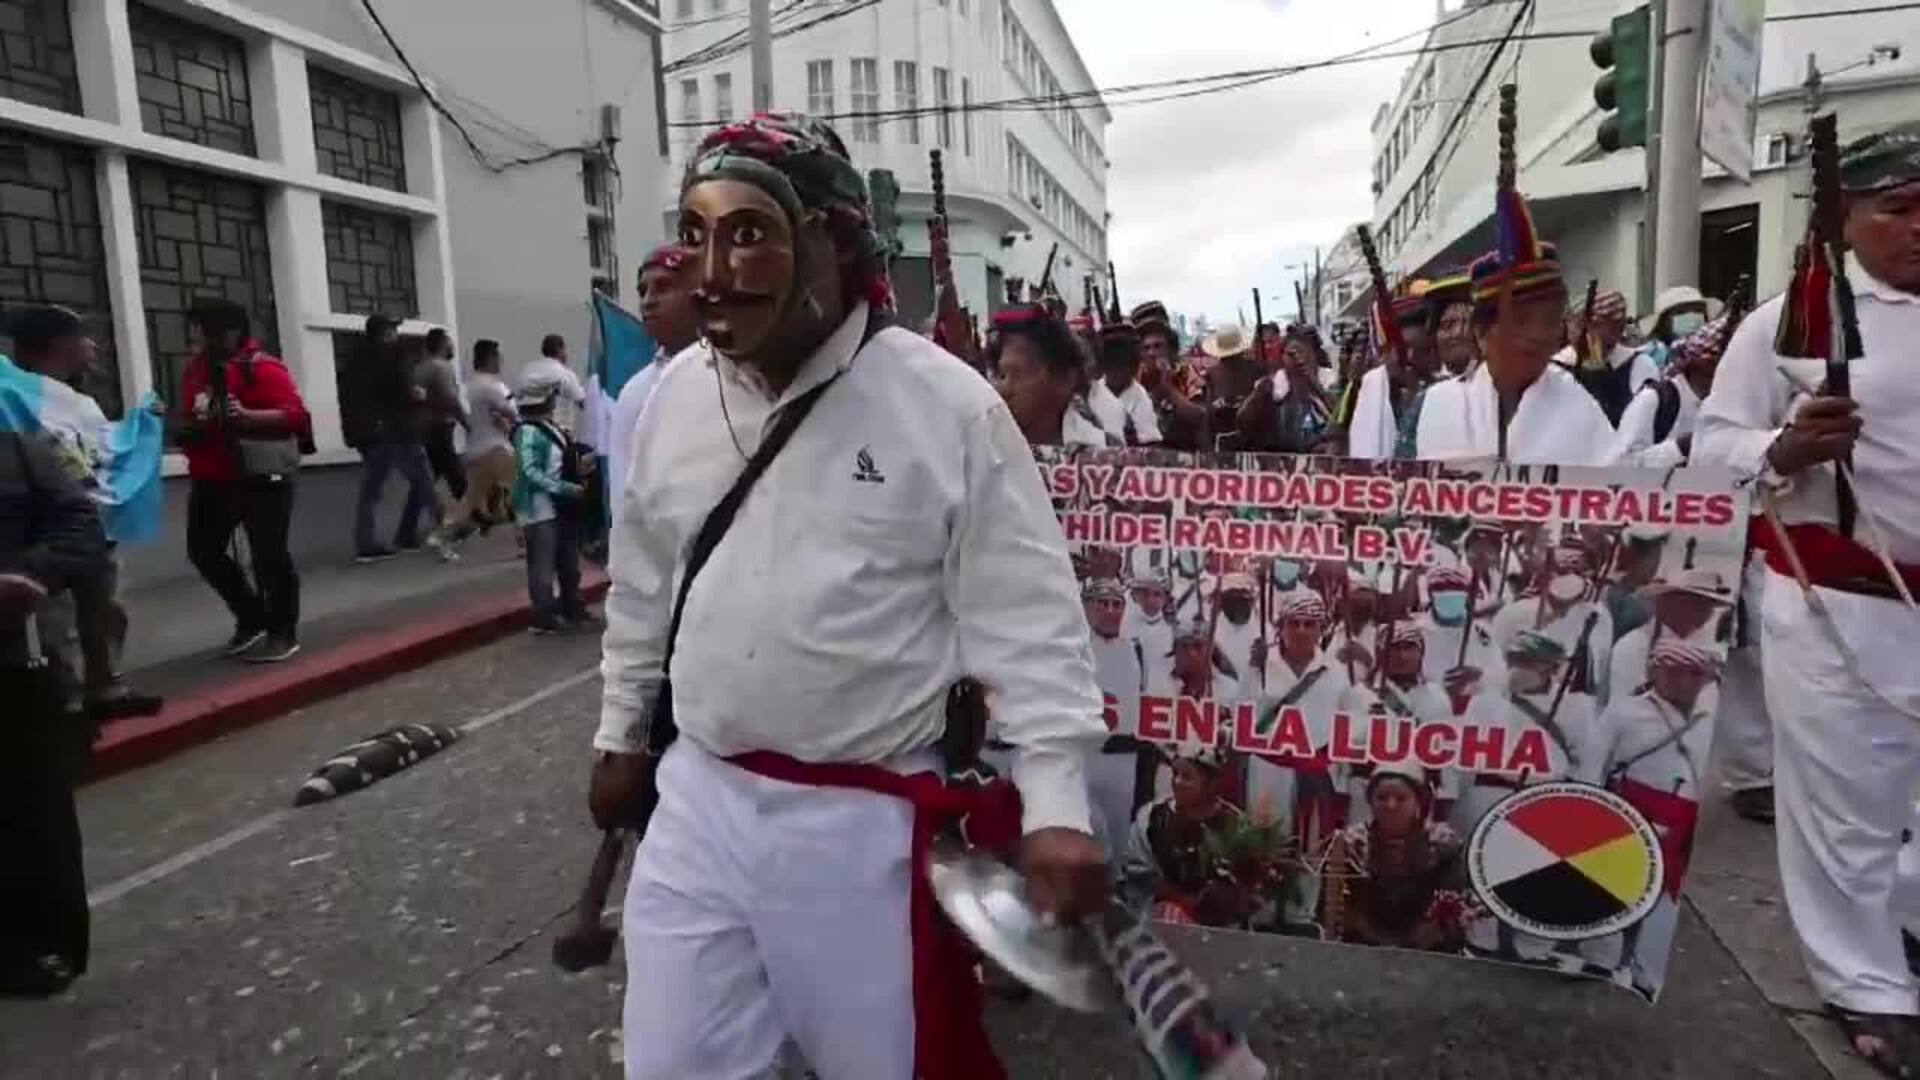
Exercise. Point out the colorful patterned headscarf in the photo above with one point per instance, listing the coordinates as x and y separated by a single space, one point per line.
669 257
801 163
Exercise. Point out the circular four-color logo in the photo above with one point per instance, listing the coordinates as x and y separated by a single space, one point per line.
1565 861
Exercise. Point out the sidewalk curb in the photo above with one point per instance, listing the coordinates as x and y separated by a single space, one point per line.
258 695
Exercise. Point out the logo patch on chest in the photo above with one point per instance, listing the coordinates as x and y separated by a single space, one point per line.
864 470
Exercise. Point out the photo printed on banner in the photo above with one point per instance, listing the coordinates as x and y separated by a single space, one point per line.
1463 710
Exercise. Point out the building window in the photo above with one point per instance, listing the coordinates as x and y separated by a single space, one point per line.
594 189
199 236
966 115
191 81
36 54
906 96
50 251
690 109
866 99
820 87
356 131
943 100
723 98
369 261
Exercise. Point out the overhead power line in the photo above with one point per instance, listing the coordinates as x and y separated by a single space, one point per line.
1839 12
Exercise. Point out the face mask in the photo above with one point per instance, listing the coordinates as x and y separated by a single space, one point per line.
1566 588
1686 323
1450 608
1286 573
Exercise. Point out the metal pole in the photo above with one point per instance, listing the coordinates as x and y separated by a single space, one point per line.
760 49
1678 258
1650 221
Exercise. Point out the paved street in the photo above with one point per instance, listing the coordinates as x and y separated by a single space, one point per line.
402 931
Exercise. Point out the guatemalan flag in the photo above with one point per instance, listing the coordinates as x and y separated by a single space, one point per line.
620 348
120 461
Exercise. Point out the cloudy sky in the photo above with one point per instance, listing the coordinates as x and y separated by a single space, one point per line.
1217 194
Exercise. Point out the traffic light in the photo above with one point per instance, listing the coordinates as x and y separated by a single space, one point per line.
1624 52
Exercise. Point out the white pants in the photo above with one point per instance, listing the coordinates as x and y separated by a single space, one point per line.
1110 789
1743 725
1844 774
762 911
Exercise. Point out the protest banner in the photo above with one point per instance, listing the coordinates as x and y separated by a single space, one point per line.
1457 709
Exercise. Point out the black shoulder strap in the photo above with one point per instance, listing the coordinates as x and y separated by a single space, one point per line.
1668 411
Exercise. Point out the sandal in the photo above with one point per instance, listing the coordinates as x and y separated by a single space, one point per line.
1886 1042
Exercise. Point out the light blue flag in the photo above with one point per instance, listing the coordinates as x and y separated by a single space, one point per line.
134 492
621 345
20 396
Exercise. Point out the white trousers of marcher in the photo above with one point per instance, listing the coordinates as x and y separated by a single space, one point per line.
1845 766
1110 784
761 911
1743 726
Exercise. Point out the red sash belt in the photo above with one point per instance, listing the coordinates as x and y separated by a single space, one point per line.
1832 561
949 1036
1673 818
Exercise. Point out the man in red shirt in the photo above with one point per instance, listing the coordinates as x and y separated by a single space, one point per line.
242 425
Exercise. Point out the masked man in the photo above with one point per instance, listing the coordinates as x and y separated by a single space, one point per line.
1691 606
1842 684
1563 612
905 535
1651 748
1118 667
1610 370
1237 633
1149 622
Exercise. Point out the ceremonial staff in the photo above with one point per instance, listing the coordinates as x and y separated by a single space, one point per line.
1586 351
1392 344
1818 321
952 330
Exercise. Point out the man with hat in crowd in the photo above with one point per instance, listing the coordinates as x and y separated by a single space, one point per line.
1149 618
1176 389
1690 605
1116 397
1656 430
1636 565
1405 693
911 544
1526 700
1679 312
1517 406
1388 390
1453 638
1287 412
1650 747
1840 678
667 310
1563 611
1305 791
1119 666
1449 314
1611 370
1190 670
1356 632
1232 378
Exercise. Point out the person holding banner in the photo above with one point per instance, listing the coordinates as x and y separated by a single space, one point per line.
1838 469
793 747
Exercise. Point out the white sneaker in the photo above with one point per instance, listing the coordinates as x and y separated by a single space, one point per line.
443 549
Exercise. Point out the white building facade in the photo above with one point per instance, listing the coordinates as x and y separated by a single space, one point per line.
279 154
1018 180
1435 143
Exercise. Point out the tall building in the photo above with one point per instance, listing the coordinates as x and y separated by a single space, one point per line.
898 78
1434 142
279 153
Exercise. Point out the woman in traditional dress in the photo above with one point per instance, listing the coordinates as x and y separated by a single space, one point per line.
1399 880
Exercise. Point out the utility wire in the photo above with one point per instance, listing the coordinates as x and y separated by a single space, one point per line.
728 44
1842 11
479 155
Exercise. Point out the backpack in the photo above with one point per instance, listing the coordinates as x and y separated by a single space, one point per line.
1668 411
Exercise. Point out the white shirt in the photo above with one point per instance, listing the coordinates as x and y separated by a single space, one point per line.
1645 738
1374 429
626 416
1078 429
80 430
487 396
1155 635
1236 641
1556 423
1565 629
1644 369
572 395
1117 668
1568 754
902 540
1755 391
1133 403
1634 445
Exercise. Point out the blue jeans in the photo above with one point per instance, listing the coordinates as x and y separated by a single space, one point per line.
553 552
376 460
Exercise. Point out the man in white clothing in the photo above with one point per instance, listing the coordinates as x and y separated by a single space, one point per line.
1611 371
906 541
1690 606
551 368
1119 668
1117 398
1148 620
1406 696
1656 430
666 309
1563 612
1388 390
1840 679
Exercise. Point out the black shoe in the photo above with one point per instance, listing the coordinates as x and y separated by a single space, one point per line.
242 640
582 620
1754 804
43 978
124 705
373 555
407 547
543 627
271 649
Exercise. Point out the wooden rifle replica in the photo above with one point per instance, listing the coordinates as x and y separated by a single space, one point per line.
1393 347
1043 291
952 328
1586 350
1818 321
